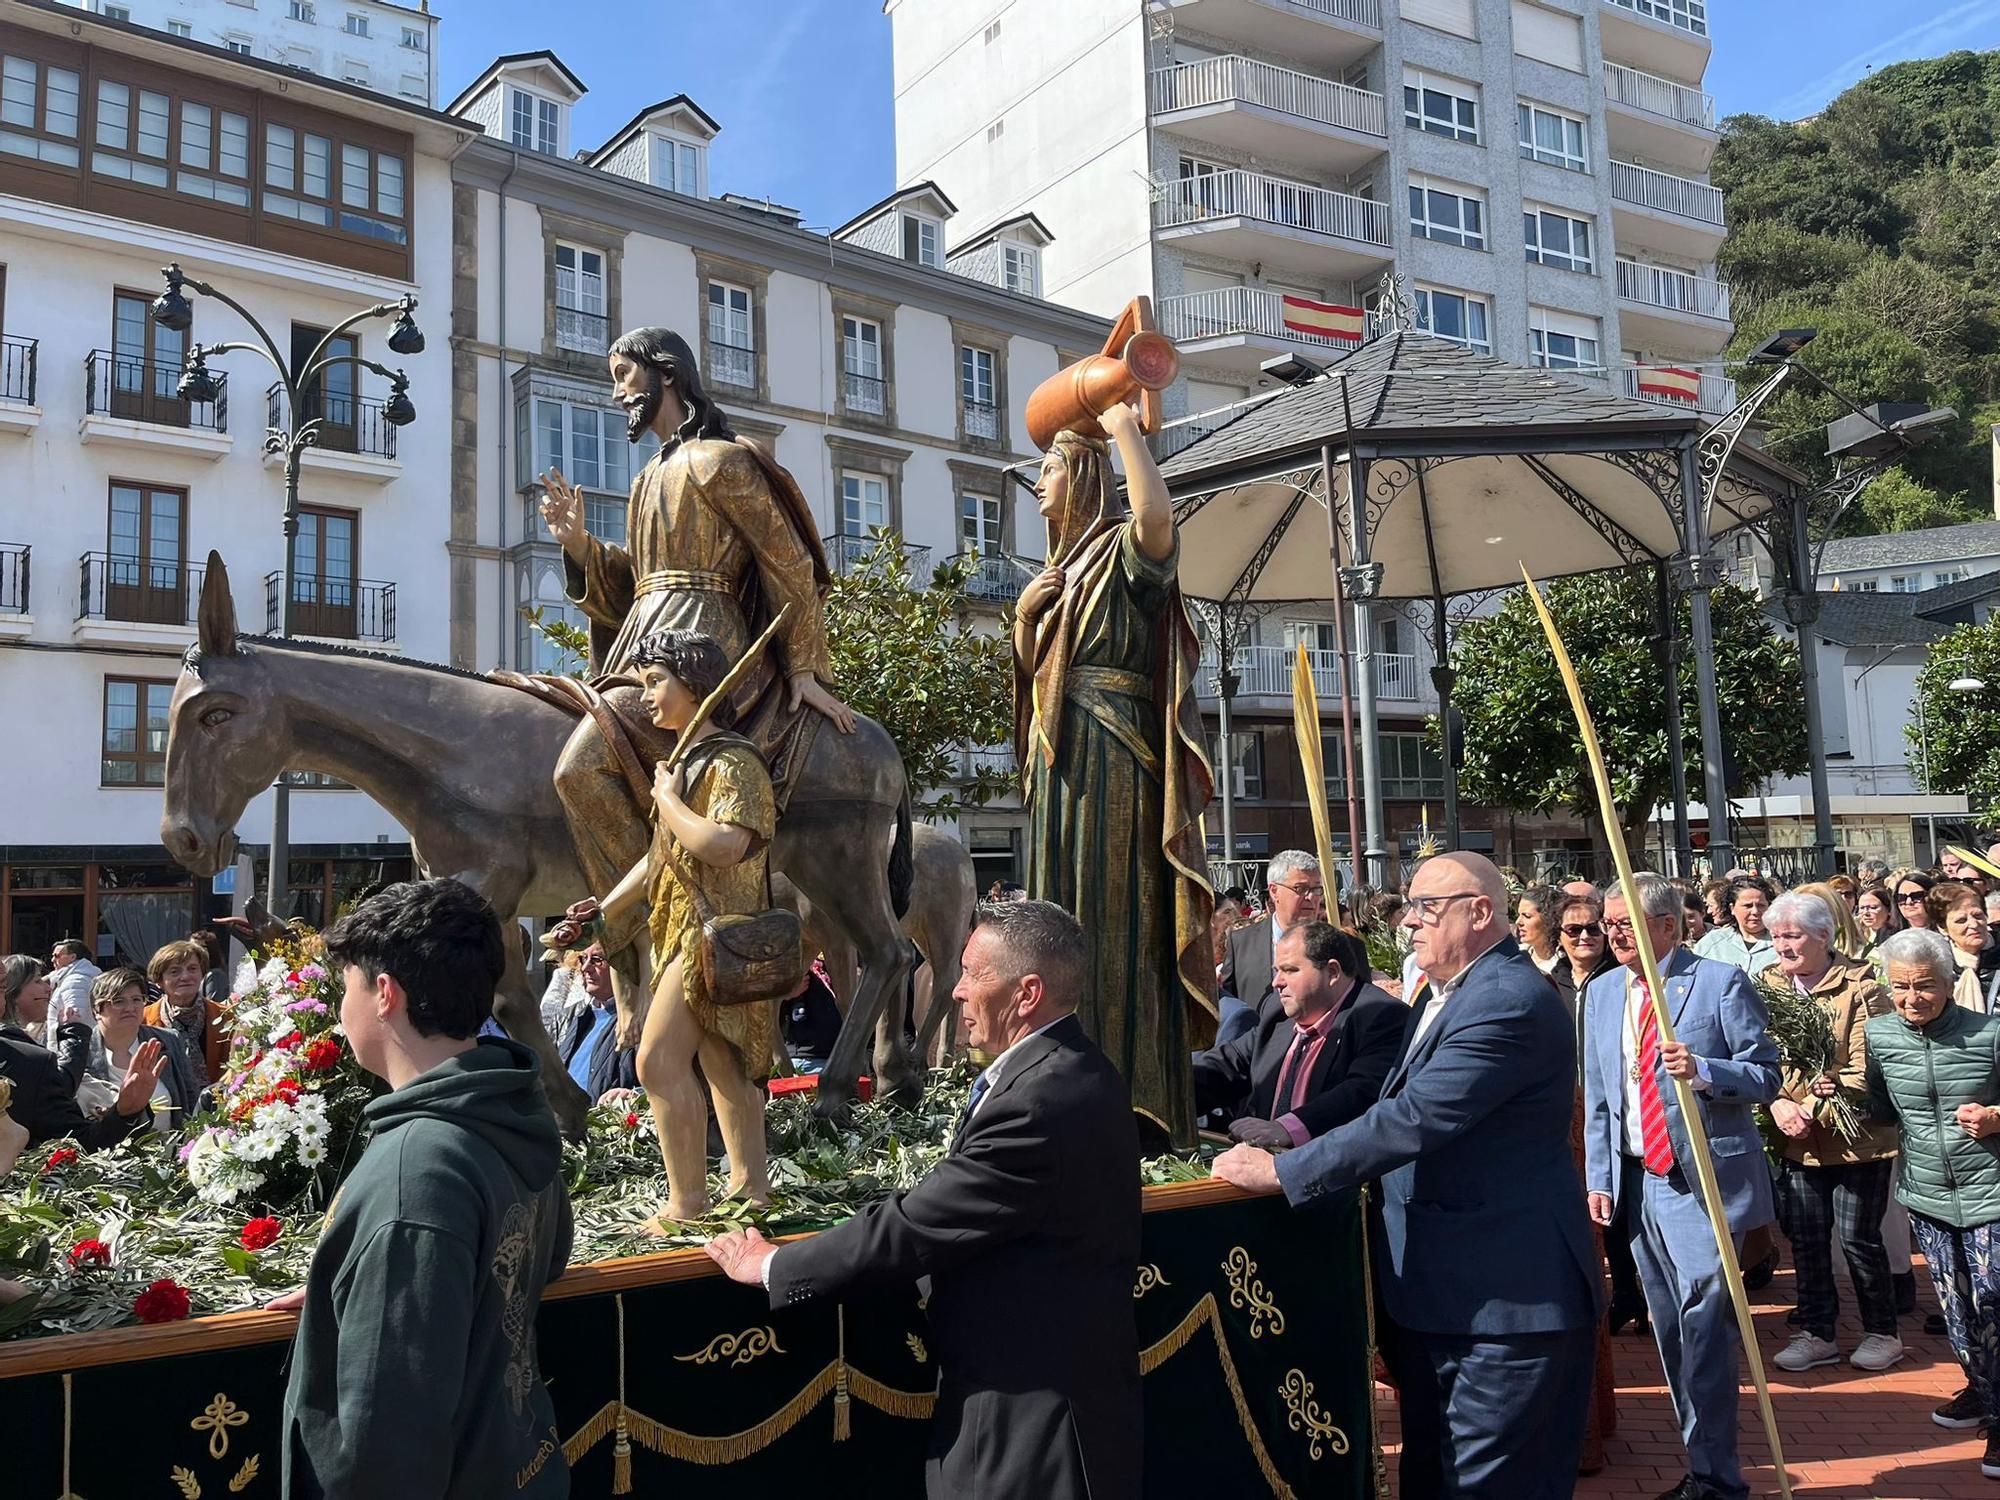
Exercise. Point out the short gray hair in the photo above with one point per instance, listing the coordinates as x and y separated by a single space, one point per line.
1872 871
1039 937
1923 947
1289 862
17 972
1658 896
1796 908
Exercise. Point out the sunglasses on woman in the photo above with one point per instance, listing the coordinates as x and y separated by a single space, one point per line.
1582 929
1909 898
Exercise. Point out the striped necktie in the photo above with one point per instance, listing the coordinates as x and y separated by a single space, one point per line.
1652 1108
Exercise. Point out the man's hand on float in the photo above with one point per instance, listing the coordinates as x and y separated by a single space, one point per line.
1266 1133
806 689
1251 1168
741 1255
562 509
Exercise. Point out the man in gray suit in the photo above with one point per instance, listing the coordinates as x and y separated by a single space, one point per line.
1636 1143
1297 896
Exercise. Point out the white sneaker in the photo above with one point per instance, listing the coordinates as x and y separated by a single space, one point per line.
1876 1352
1808 1351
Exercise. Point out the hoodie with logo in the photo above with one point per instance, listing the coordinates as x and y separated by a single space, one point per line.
414 1369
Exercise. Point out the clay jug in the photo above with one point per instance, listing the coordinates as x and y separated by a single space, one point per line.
1137 360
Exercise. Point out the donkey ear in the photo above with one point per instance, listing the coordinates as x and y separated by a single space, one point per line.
217 619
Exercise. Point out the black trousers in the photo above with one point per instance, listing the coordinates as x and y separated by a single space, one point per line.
1813 1204
1627 1297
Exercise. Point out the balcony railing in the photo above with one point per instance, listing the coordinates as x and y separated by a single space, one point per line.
1688 15
1677 291
347 424
732 364
1267 671
336 609
1244 80
585 332
1681 196
864 393
1360 12
994 577
137 591
141 390
14 578
982 420
18 358
1238 310
1272 200
846 554
1718 393
1659 96
995 759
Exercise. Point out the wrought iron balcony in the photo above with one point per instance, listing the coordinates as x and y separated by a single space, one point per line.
864 393
136 590
732 364
335 609
347 424
138 389
1717 392
982 420
14 578
18 360
994 577
1266 671
1244 80
584 332
847 554
1232 310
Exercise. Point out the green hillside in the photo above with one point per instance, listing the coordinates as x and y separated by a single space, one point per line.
1878 223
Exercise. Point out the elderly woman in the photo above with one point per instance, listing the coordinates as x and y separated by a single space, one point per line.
1746 944
201 1024
1934 1067
118 1004
1826 1179
1959 912
1535 926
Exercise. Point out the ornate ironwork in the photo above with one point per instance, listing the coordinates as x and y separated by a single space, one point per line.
1268 547
1696 573
1628 547
1395 310
1659 469
1715 445
1386 479
1361 582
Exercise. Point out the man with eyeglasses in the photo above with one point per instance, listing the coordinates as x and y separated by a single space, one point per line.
588 1044
1298 896
1483 1252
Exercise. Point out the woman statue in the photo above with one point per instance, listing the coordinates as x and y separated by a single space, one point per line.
1109 742
713 817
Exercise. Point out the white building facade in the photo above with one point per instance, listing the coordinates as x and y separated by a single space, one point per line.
371 44
308 204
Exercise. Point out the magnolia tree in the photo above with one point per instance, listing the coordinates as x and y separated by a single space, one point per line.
1954 733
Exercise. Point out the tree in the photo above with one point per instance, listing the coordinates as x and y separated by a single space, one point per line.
1522 748
1954 736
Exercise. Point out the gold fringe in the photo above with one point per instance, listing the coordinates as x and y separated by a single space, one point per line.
1378 1461
591 1433
694 1448
1151 1358
843 1419
917 1406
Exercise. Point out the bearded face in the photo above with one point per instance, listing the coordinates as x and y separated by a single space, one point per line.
640 395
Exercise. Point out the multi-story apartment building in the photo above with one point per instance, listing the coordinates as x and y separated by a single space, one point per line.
372 44
1533 174
892 385
126 149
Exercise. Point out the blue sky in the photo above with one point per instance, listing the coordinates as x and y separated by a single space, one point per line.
802 87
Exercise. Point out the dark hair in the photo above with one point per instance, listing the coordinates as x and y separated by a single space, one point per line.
1327 944
1591 903
1234 893
1039 937
695 659
72 946
1690 901
1744 883
667 353
1546 899
438 939
106 987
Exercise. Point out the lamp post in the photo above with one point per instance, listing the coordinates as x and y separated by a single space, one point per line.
172 310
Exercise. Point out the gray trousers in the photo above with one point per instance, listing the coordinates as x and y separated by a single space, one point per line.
1693 1323
1498 1418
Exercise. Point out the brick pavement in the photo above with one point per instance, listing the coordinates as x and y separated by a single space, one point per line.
1847 1436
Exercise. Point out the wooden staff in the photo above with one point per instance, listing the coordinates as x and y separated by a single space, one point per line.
1312 759
1704 1163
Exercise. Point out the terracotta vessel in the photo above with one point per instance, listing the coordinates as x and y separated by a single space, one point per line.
1137 360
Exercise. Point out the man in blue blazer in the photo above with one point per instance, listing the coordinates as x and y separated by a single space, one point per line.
1636 1142
1483 1250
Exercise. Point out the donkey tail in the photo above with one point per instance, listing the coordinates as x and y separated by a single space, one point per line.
902 859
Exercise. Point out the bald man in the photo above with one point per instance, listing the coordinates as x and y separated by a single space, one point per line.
1482 1244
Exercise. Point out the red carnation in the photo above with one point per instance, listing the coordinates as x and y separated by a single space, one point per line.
631 1122
260 1234
165 1301
89 1253
287 1090
62 1156
289 1040
322 1054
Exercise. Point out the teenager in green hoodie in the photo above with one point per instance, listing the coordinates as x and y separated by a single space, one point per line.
414 1371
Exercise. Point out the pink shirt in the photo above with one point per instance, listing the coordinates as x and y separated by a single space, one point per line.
1300 1059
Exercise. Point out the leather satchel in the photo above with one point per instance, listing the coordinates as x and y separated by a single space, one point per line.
753 956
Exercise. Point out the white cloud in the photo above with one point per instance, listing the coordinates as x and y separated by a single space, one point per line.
1925 39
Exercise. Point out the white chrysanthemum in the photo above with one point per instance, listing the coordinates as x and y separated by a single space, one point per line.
272 975
244 979
312 1153
262 1143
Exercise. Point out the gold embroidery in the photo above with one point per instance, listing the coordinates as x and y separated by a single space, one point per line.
189 1485
550 1446
1245 1290
245 1476
1303 1414
737 1348
917 1350
216 1419
1149 1277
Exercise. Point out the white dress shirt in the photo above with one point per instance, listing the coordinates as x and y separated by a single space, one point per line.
1441 993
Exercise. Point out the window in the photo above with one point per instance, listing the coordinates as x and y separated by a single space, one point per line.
214 154
354 73
1548 136
864 503
325 573
1411 769
732 336
533 650
145 364
1944 576
923 240
357 23
1905 583
131 138
135 731
38 111
679 167
118 13
1455 316
994 131
1454 215
588 444
240 45
992 32
1868 586
862 386
1547 35
180 29
300 10
979 525
581 322
145 555
1689 15
1021 269
1246 765
413 38
1555 239
976 392
1559 341
1441 106
533 123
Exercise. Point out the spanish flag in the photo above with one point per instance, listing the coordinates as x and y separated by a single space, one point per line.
1670 381
1327 320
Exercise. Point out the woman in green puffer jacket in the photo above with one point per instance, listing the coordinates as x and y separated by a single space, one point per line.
1934 1067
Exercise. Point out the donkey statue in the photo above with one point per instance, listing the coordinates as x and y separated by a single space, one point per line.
466 766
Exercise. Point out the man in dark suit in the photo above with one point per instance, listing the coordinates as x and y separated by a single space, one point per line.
1292 884
1322 1063
1029 1231
1484 1255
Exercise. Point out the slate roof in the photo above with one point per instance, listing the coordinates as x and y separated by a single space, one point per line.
1851 618
1951 595
1933 544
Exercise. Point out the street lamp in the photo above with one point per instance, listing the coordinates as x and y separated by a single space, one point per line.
173 311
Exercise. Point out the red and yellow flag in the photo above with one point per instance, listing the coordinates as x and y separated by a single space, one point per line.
1327 320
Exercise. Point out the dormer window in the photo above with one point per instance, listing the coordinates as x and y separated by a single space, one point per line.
534 124
679 166
923 240
1021 268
